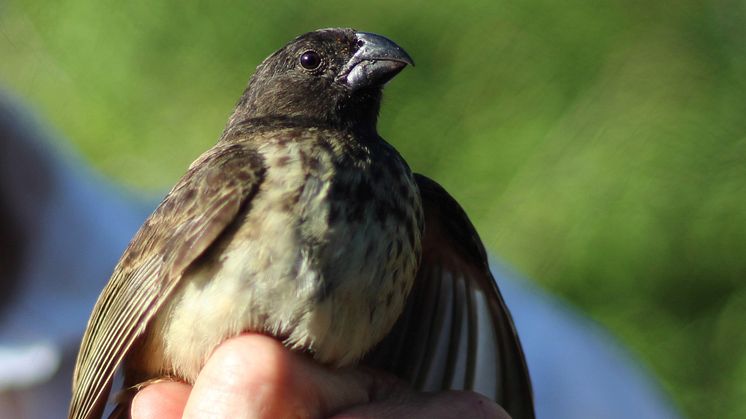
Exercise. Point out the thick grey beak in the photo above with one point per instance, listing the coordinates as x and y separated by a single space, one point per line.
377 60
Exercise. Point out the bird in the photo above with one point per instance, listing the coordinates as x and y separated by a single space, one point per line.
304 224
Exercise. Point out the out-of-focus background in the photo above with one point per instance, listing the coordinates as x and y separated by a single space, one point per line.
600 147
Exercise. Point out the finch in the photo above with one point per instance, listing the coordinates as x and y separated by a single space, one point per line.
304 224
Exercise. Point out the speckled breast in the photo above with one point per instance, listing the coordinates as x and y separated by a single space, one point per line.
323 257
361 223
372 248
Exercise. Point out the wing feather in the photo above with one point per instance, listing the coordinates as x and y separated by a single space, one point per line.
201 205
456 331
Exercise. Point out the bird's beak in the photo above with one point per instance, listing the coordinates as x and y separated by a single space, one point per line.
377 60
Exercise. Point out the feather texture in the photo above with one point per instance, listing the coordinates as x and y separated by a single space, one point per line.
189 219
456 332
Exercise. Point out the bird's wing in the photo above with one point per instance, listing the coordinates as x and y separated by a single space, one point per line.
206 200
456 332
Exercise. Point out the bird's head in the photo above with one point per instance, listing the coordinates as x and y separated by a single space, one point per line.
330 76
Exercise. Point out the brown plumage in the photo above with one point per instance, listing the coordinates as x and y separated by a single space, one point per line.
303 223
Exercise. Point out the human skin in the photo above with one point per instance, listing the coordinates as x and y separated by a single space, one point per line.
254 376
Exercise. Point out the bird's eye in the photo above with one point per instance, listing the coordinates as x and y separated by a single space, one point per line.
310 60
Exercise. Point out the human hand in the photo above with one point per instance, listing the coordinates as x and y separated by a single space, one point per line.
254 376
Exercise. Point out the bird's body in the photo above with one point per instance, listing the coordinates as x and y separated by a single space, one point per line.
304 224
348 263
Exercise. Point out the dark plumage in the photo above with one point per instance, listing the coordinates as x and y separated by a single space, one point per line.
303 223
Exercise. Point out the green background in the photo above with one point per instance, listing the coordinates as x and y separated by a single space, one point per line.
599 146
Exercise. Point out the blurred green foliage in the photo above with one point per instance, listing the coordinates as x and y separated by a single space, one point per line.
600 147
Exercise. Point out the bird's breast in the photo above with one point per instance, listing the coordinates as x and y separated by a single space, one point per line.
323 257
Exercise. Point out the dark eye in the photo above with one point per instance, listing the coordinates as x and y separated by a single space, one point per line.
310 60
